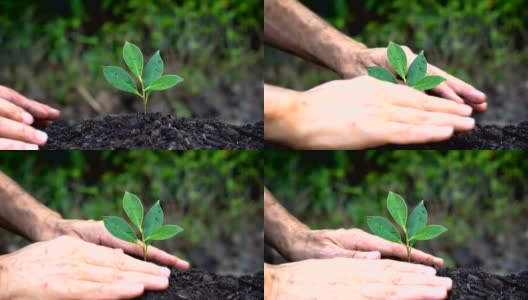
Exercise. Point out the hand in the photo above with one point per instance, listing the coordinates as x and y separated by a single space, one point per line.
68 268
95 232
452 89
343 278
366 112
352 243
17 113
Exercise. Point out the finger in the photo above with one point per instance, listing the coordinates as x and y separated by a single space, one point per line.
399 133
94 290
392 292
404 267
480 107
155 254
403 279
38 110
460 87
10 129
15 113
421 101
7 144
390 249
419 117
445 91
109 275
339 252
115 258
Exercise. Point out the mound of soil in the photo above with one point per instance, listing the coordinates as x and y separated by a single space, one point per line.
471 284
152 131
198 284
481 138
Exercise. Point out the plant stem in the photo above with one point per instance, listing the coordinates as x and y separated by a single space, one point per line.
408 245
143 96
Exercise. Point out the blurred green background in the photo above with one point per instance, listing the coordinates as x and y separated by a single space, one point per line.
54 50
216 196
480 196
481 41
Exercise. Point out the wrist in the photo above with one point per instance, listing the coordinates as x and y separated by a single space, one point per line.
4 288
51 227
353 60
281 115
270 282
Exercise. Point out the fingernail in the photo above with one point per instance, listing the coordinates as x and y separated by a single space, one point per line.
182 264
478 94
162 281
373 255
447 282
27 118
41 136
466 109
469 122
31 147
165 271
54 111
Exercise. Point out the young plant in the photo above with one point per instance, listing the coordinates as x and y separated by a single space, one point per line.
150 79
414 230
150 228
414 78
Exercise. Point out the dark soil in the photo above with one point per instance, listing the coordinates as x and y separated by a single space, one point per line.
471 284
481 138
153 131
197 284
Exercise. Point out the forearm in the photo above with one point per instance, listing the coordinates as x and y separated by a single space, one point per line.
270 279
24 215
292 27
280 228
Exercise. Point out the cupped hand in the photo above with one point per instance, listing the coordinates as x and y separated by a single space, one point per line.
344 278
452 89
352 243
365 112
69 268
95 232
17 113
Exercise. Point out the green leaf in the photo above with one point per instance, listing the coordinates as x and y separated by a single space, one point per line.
384 229
397 59
417 70
429 232
120 229
153 219
417 219
165 232
164 82
120 79
397 208
153 69
381 74
428 82
133 209
133 59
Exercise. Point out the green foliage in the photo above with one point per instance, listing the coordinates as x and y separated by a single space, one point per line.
415 77
152 80
62 45
476 194
153 229
88 184
416 230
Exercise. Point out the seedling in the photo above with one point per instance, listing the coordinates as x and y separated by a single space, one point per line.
149 230
415 230
150 79
414 78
